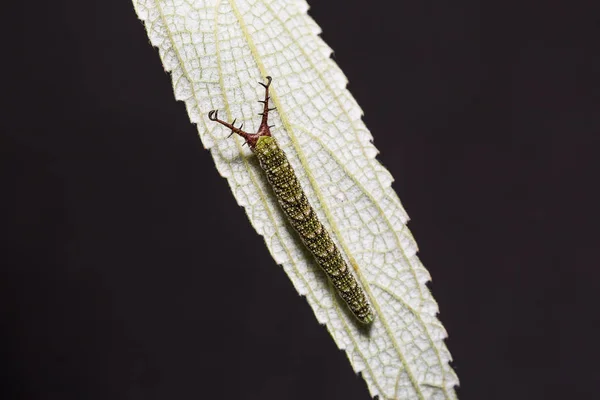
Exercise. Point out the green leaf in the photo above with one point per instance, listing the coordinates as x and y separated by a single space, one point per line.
216 51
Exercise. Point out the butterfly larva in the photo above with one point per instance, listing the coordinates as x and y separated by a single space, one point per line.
300 213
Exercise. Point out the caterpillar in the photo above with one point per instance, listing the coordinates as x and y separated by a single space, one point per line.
299 212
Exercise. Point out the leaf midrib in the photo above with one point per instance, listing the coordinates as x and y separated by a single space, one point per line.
318 192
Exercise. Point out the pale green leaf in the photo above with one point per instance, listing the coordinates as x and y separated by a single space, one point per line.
216 51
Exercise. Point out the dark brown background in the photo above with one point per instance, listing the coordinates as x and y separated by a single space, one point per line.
129 272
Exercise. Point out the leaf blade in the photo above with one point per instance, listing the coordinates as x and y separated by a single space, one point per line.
216 50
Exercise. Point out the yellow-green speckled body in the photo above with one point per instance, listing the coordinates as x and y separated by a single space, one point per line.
303 218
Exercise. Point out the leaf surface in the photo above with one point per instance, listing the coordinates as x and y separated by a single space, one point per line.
216 51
